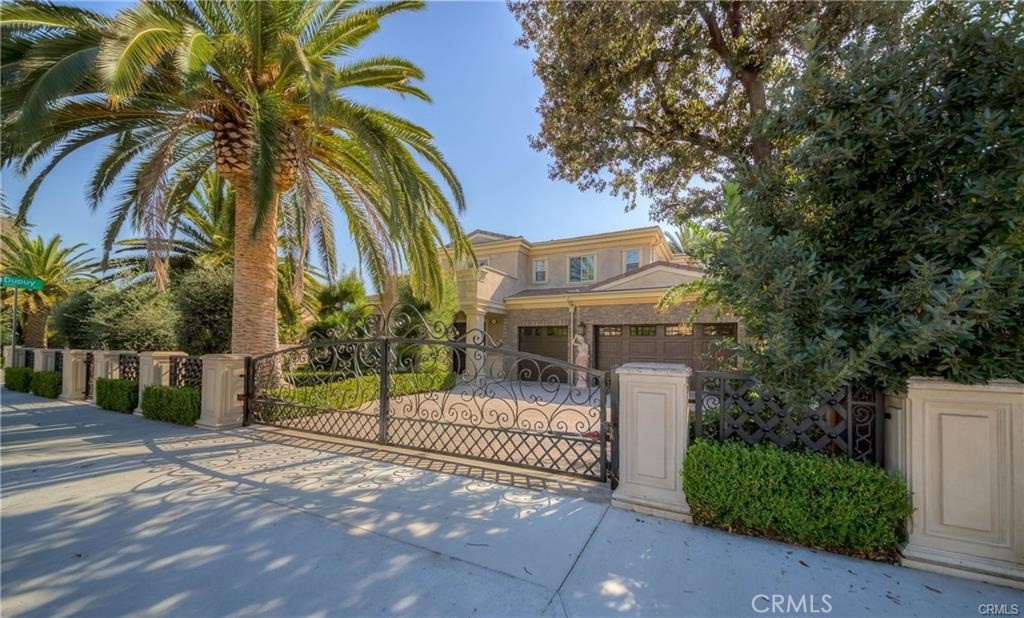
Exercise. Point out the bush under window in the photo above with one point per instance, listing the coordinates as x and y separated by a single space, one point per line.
117 395
47 383
828 502
171 403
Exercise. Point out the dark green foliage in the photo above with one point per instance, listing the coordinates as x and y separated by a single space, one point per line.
137 318
203 299
173 404
71 316
47 383
117 395
889 240
828 502
18 378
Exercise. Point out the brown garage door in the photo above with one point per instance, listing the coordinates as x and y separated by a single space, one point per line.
659 343
550 341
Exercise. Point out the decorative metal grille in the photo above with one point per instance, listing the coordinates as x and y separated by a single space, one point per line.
128 365
88 375
58 361
30 359
733 406
186 371
390 379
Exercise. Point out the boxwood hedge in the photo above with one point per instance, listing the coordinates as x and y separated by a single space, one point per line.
175 404
47 383
117 395
18 378
828 502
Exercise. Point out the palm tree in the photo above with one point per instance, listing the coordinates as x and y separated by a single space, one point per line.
61 269
252 88
676 239
202 234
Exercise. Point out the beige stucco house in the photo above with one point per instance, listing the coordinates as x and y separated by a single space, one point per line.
536 296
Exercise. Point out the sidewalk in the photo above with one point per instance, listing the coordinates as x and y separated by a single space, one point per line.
105 514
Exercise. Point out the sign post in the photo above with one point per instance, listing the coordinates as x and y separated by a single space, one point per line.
18 283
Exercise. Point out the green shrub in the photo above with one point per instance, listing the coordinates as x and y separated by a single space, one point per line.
203 299
352 393
137 317
18 378
175 404
806 498
117 395
47 383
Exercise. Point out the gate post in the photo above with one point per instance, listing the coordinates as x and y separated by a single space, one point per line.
385 389
74 375
223 397
653 433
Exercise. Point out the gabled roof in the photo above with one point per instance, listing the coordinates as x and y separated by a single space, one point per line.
490 235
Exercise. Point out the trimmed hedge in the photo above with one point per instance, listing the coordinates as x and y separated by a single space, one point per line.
806 498
174 404
47 383
117 395
18 378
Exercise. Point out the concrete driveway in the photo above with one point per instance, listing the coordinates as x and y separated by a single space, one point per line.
105 514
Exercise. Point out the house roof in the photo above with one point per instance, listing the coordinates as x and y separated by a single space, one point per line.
495 235
587 288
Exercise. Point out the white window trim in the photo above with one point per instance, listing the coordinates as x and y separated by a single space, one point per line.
639 259
543 261
568 267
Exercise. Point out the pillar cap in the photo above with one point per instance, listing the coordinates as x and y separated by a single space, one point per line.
654 369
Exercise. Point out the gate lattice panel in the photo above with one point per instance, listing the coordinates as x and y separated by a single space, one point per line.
392 380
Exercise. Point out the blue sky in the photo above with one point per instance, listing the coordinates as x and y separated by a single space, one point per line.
484 98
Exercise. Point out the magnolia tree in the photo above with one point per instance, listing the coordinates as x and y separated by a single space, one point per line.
889 241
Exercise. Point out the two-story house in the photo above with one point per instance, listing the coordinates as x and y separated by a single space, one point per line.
536 296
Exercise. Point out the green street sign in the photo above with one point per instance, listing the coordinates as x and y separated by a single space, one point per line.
24 283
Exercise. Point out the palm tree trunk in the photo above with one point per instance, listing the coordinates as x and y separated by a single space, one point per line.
35 329
254 307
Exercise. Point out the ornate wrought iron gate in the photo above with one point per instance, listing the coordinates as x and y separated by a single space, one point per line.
389 379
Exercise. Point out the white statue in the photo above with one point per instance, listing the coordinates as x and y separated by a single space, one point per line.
582 358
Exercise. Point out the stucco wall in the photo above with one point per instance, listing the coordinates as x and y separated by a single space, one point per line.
609 262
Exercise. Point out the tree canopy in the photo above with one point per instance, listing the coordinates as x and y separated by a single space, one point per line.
888 242
663 100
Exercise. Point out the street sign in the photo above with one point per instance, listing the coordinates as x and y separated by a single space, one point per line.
24 283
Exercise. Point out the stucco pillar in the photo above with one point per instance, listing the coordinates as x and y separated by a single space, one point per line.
9 360
653 435
105 364
223 391
476 329
45 359
154 369
961 450
74 375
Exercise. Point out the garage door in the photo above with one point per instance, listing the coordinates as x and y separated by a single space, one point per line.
550 341
660 343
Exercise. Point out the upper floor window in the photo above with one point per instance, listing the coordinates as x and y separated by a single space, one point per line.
581 268
540 271
484 262
632 257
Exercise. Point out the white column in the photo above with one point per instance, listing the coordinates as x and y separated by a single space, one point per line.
154 369
476 326
653 436
223 391
9 360
74 375
961 449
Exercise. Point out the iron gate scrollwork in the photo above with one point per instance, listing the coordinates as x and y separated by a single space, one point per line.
128 367
87 393
391 378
